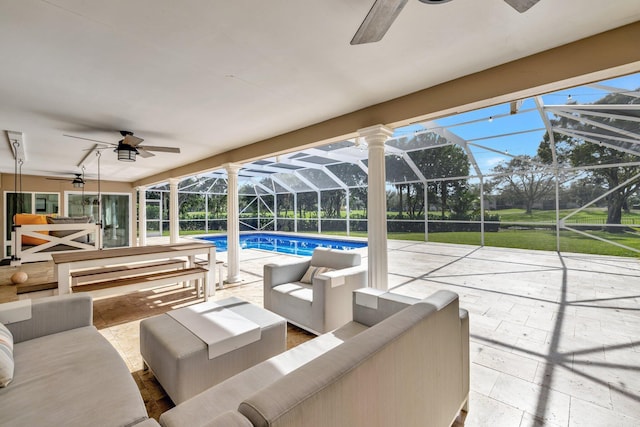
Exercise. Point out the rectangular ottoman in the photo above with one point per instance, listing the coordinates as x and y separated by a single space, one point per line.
180 360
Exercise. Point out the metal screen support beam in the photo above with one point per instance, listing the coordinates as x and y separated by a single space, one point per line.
348 211
206 213
481 211
319 210
426 212
295 212
275 212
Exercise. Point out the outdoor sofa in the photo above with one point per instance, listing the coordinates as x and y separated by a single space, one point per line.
65 372
399 362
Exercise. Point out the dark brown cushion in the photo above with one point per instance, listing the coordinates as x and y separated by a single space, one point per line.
68 220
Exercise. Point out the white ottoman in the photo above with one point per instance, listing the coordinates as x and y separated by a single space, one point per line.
180 360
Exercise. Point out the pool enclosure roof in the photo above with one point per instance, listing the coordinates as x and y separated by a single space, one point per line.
606 113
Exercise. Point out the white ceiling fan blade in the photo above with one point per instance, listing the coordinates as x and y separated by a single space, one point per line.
161 149
89 139
378 21
521 5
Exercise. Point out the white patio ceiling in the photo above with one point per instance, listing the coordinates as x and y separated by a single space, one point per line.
210 77
344 164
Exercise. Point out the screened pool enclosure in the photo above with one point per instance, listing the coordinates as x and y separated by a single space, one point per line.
555 172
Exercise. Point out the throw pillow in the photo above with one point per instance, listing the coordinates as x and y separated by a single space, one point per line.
68 220
6 356
313 272
31 219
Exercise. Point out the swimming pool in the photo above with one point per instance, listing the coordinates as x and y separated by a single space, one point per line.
285 244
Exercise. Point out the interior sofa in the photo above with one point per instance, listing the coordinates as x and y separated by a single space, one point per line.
315 293
399 362
65 373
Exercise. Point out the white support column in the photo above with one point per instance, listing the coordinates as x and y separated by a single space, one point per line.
174 222
233 224
133 212
142 215
376 136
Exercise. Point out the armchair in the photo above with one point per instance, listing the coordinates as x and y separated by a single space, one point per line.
323 304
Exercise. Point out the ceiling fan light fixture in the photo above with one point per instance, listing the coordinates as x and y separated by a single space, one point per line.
126 153
77 182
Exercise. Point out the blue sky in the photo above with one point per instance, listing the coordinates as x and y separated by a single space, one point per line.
521 133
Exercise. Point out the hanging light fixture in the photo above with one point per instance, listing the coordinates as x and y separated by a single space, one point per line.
126 152
77 182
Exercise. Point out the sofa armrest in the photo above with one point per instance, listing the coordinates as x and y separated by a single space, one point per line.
54 314
331 307
371 306
335 278
466 367
277 274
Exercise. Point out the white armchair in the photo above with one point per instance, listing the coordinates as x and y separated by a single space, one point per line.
323 304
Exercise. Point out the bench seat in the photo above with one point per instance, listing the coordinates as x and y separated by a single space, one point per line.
93 275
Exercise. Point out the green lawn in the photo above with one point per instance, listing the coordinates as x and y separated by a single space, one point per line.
533 239
594 215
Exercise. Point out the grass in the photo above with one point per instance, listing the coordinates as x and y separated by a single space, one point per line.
542 240
594 215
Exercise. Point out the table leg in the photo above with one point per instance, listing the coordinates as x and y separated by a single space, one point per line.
210 280
192 263
64 280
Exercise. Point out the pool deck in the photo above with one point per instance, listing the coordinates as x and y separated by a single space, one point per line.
554 336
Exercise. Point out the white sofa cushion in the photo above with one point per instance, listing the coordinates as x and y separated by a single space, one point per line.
72 378
6 356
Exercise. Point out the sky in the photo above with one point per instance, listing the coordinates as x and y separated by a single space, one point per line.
520 134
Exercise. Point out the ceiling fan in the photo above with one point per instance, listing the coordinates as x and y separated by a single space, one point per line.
77 182
384 12
129 146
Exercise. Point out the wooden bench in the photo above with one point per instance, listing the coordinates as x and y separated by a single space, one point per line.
163 278
219 265
93 275
36 290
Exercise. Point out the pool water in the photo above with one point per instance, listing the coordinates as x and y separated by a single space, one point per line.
285 244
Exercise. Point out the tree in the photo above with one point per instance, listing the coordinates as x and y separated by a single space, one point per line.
442 164
525 179
589 151
438 164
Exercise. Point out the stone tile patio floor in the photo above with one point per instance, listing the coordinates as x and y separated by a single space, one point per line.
554 337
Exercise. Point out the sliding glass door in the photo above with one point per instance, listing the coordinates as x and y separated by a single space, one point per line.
115 215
